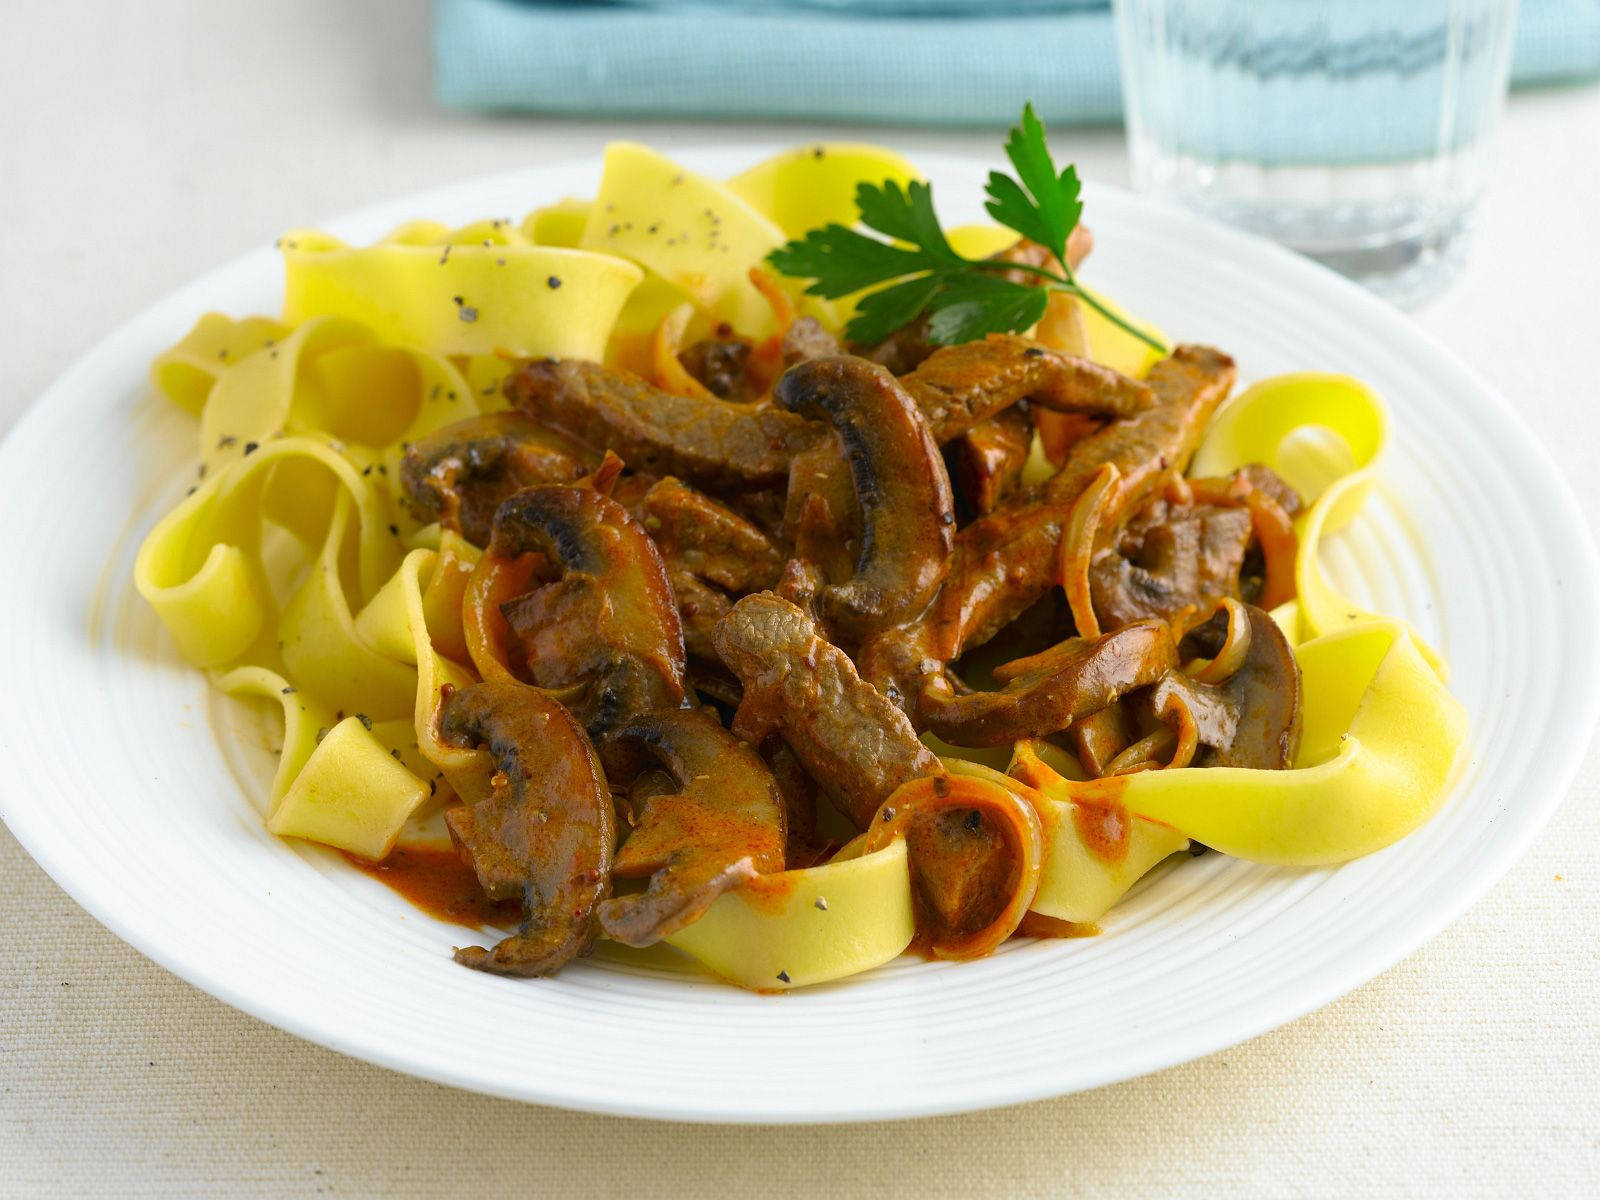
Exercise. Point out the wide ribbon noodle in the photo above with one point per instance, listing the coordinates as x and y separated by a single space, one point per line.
480 289
293 573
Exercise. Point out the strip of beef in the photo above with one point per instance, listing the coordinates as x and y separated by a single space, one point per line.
986 462
460 475
957 387
1004 562
856 745
806 339
820 480
544 834
713 556
609 623
700 607
711 443
697 534
900 485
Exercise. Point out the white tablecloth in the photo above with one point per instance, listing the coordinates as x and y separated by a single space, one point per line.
143 143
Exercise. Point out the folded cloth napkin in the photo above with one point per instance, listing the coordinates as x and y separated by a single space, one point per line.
911 62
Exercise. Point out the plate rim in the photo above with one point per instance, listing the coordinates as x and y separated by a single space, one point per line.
1236 1026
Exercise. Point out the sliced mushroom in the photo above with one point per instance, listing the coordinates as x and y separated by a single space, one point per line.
545 832
1251 719
1167 560
722 823
710 442
1045 693
799 803
907 514
610 621
720 363
856 744
700 607
459 475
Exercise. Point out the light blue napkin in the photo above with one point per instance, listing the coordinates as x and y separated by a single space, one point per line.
812 59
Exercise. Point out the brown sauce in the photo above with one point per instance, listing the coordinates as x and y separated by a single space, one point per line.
436 880
1098 814
1037 925
1106 828
769 894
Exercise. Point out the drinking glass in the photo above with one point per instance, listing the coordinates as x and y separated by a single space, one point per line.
1354 131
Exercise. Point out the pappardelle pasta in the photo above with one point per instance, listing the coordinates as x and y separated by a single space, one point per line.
596 541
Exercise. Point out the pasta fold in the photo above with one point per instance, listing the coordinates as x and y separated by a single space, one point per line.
1256 426
694 232
1379 748
810 186
482 289
796 928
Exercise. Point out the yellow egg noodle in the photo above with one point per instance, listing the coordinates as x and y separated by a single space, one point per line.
294 574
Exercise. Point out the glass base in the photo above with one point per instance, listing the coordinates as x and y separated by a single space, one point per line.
1400 229
1409 271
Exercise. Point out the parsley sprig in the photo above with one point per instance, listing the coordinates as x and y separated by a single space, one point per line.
963 298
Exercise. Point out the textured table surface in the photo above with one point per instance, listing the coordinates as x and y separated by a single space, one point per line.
143 144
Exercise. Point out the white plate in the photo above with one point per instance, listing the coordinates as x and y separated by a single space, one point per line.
137 788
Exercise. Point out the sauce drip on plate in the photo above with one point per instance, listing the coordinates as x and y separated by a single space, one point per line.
436 880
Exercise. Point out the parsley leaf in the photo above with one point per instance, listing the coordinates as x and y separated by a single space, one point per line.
972 306
881 312
841 260
1049 209
907 215
918 273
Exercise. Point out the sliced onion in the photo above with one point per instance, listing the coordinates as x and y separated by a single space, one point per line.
667 370
1019 825
1274 533
494 581
1235 645
1078 542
